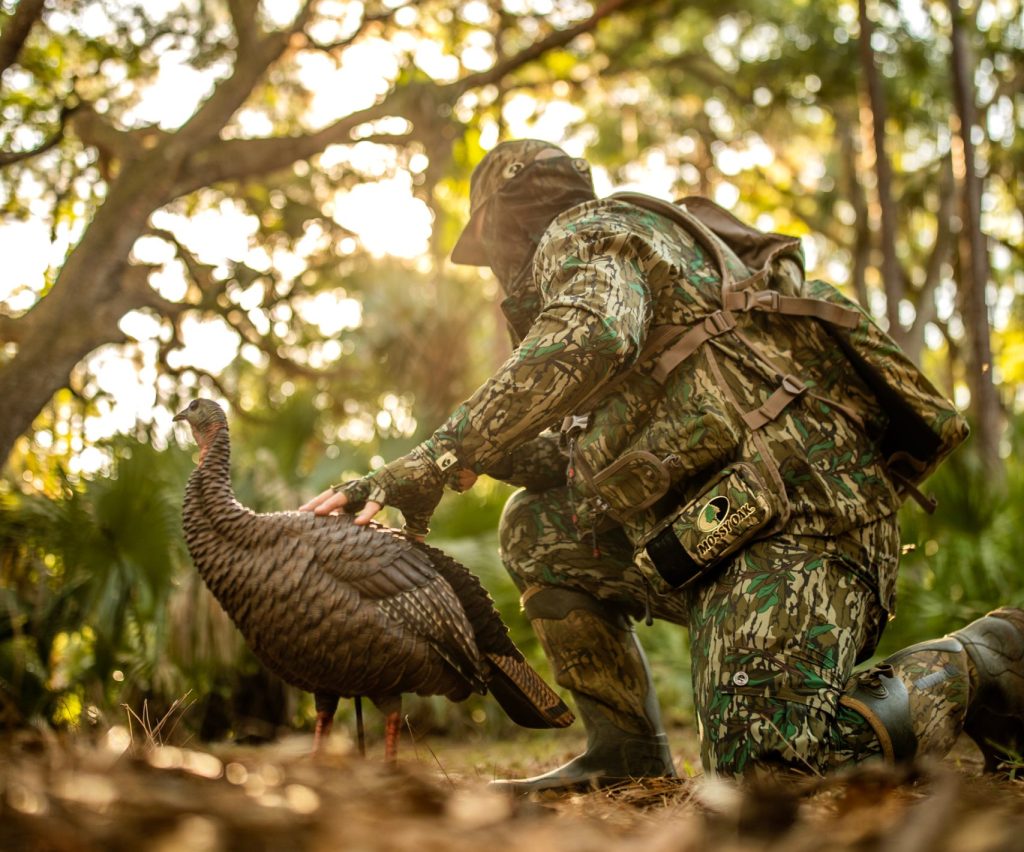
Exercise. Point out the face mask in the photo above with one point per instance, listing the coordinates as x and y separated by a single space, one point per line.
520 212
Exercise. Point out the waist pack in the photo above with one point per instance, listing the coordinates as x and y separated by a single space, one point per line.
736 506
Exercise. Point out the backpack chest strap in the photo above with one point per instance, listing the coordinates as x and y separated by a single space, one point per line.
789 389
772 301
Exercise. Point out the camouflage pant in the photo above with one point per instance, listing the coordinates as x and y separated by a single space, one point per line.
774 637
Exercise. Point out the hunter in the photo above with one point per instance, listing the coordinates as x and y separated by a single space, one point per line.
695 444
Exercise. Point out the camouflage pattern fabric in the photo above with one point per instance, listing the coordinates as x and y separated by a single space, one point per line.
945 428
601 660
542 545
606 273
591 324
605 276
940 681
774 640
536 465
939 686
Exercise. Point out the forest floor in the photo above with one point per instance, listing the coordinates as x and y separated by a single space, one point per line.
112 793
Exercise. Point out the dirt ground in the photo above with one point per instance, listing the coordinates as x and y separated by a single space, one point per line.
66 794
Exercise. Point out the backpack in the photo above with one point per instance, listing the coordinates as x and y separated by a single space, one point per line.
924 427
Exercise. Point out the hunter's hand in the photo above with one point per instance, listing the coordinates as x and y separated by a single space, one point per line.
334 500
413 484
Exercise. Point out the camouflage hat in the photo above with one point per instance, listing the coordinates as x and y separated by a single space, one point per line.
500 164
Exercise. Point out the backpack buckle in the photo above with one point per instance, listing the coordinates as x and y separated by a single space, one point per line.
574 425
762 300
793 385
719 323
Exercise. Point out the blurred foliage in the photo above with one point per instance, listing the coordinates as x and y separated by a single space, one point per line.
961 561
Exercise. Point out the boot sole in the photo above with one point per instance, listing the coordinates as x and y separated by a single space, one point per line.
569 785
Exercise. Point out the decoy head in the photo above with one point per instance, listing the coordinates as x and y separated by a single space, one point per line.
205 417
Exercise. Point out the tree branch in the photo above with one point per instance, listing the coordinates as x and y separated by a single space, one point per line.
243 19
364 24
136 291
110 142
9 157
179 372
386 138
698 65
200 273
15 30
252 58
558 38
230 95
234 159
11 330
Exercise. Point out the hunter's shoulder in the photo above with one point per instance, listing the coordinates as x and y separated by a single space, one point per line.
612 227
601 216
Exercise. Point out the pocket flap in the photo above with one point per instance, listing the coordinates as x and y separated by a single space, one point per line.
633 482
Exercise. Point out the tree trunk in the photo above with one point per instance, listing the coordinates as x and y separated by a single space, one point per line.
892 278
16 29
94 290
975 265
926 308
861 249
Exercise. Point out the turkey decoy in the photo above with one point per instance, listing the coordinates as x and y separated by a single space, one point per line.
342 610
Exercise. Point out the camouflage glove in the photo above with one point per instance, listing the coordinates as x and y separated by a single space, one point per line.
413 484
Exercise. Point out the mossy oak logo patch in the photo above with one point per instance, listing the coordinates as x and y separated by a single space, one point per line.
713 513
724 524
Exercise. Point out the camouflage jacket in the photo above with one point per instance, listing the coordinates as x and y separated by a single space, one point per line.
606 276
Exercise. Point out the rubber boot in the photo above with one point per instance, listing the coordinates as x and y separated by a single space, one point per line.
919 700
595 654
995 715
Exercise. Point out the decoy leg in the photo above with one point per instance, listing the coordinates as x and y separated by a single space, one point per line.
392 710
326 705
360 731
393 725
